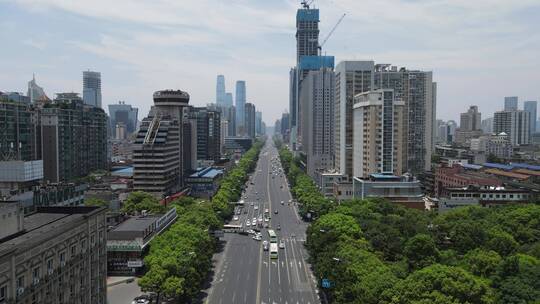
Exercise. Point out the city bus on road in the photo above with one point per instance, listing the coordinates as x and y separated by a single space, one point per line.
272 235
232 228
273 250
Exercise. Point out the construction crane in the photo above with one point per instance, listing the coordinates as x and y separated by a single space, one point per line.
331 32
306 4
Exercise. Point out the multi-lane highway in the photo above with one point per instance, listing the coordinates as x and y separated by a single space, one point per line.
244 272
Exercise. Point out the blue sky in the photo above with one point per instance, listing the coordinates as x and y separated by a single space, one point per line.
479 51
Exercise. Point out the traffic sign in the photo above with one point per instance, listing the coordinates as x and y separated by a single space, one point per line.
326 283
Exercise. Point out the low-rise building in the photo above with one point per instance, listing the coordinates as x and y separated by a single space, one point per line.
326 180
205 182
458 176
128 242
481 196
404 190
55 255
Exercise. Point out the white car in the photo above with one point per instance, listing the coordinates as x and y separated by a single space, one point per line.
254 223
281 244
266 219
256 207
235 218
248 223
251 204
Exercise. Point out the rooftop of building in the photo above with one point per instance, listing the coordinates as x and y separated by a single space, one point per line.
44 223
136 224
527 172
307 14
498 166
472 188
123 172
208 172
472 166
514 175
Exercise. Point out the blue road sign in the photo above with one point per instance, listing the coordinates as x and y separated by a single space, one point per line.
326 283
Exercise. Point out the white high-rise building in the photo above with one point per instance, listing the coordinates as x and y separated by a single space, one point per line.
352 78
378 133
92 88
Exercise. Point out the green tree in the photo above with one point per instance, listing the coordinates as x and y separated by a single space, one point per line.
481 262
440 284
421 251
517 280
96 202
501 242
138 201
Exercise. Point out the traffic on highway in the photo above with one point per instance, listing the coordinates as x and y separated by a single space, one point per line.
264 259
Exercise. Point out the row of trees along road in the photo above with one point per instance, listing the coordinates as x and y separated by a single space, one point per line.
180 258
373 251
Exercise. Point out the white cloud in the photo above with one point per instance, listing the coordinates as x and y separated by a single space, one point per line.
479 50
35 44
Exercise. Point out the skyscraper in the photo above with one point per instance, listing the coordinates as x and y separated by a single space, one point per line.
158 155
208 124
74 138
352 78
123 113
293 106
240 107
515 124
284 124
307 44
317 103
228 99
419 93
35 92
307 64
487 125
307 32
511 103
220 90
92 88
258 123
471 120
250 120
378 139
531 108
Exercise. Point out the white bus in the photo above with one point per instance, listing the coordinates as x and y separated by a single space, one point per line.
273 250
272 235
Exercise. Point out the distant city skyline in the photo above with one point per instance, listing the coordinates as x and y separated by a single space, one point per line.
464 43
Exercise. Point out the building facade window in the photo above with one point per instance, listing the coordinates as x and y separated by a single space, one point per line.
3 293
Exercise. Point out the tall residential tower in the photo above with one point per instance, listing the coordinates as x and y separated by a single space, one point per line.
240 108
92 88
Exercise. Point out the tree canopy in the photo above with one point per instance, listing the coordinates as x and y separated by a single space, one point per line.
138 201
374 251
